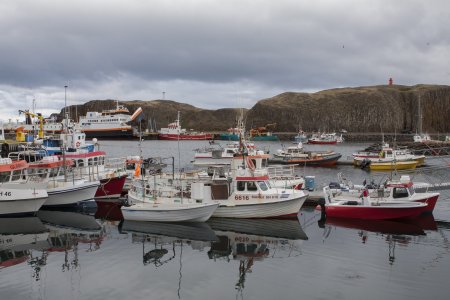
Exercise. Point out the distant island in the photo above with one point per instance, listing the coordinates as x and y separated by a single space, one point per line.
371 109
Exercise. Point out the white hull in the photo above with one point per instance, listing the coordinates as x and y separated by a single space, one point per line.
280 208
21 198
71 193
168 212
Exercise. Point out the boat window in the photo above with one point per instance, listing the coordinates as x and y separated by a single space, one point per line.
241 185
4 176
400 192
251 186
411 190
264 163
42 172
54 172
90 162
95 160
254 162
80 163
16 175
262 186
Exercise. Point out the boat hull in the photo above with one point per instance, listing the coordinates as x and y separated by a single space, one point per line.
288 208
319 161
110 187
21 198
386 211
124 133
176 137
318 142
169 213
387 166
71 194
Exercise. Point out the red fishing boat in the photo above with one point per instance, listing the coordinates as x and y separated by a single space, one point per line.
175 132
365 208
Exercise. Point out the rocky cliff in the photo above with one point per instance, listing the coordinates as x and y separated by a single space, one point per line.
363 109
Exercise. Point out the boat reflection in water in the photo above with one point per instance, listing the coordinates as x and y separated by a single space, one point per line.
18 237
163 242
251 240
394 232
163 236
109 211
69 229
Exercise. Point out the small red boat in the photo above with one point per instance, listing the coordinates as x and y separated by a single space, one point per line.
364 208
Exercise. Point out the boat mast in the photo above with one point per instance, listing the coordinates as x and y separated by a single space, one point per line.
419 125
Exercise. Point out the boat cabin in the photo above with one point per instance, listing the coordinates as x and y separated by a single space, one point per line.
50 168
12 171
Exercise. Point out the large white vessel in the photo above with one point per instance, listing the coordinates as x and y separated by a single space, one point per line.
107 124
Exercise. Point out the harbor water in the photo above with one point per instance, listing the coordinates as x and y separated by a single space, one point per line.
90 253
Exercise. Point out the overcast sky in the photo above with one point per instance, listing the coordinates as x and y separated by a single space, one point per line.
213 54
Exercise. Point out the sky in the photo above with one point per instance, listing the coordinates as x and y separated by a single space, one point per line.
212 53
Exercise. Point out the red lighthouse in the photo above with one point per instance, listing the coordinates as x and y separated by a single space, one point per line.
390 81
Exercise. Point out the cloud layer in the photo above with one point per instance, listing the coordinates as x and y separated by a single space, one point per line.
213 53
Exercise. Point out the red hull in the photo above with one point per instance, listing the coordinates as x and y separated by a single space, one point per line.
110 187
322 142
176 137
431 201
373 212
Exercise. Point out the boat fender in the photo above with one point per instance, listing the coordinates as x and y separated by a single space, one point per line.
250 164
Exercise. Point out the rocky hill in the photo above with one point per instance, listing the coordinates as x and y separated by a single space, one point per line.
362 109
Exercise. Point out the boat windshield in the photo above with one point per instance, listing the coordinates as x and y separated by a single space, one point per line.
263 186
400 192
4 176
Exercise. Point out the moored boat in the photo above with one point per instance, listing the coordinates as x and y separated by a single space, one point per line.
393 165
19 196
110 124
325 139
175 132
297 155
365 208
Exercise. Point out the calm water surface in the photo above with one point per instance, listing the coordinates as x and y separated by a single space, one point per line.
91 254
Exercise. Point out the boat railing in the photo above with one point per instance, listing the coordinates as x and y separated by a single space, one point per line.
276 172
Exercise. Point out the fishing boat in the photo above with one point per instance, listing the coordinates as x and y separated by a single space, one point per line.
169 210
175 132
402 189
219 155
247 193
94 166
325 139
263 133
301 137
366 208
297 155
386 155
110 124
19 195
63 187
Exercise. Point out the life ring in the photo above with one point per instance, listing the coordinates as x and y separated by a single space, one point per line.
250 164
77 144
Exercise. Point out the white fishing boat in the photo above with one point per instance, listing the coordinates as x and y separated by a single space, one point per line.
63 187
219 155
19 195
169 210
247 192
